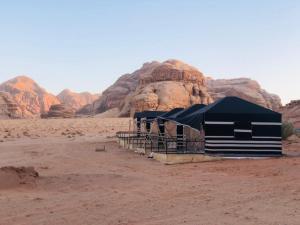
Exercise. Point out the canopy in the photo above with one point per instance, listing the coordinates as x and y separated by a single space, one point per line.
229 109
190 110
171 114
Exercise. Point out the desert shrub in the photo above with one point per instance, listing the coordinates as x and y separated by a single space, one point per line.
287 130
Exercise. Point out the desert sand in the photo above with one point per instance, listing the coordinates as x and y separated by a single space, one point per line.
67 179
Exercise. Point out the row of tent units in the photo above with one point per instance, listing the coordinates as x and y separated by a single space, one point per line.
230 126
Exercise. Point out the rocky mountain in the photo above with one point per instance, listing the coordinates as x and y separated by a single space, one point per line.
77 100
31 98
244 88
163 86
156 86
291 113
9 108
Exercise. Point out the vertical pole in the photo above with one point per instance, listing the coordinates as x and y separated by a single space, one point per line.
166 147
129 124
185 145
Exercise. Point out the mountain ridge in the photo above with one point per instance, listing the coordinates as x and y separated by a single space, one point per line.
154 86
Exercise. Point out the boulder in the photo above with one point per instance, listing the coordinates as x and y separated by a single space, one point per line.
59 111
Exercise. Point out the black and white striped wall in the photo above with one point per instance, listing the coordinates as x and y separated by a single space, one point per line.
242 138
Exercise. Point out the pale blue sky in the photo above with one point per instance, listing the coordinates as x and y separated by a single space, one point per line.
85 45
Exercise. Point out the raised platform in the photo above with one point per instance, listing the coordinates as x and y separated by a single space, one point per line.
170 159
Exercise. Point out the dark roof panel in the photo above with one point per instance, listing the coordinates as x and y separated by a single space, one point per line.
235 105
148 114
190 110
171 114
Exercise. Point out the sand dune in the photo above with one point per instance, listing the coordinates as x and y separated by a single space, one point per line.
78 185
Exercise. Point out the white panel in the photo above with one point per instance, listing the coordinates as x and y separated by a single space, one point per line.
242 131
253 150
266 137
241 145
246 142
266 123
219 136
219 122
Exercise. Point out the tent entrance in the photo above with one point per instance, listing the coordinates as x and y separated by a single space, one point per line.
180 137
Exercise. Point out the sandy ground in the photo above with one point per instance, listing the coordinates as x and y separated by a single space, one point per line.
78 185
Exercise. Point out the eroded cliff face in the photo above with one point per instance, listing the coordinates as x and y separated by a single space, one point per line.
163 86
115 95
244 88
171 84
9 109
31 98
291 113
156 86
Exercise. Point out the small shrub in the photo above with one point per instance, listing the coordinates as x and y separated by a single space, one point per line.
287 130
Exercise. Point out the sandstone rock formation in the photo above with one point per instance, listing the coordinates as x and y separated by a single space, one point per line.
163 86
291 113
156 86
32 99
244 88
9 109
77 100
59 111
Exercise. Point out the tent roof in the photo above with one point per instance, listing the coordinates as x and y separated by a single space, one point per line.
148 114
171 114
190 110
236 105
227 105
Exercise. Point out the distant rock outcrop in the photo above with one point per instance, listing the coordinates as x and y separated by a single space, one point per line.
31 98
163 86
77 100
59 111
156 86
9 109
244 88
291 113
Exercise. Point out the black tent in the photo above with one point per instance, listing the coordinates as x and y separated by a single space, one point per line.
165 117
148 117
235 126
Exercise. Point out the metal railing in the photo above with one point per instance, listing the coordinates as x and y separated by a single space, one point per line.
160 144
